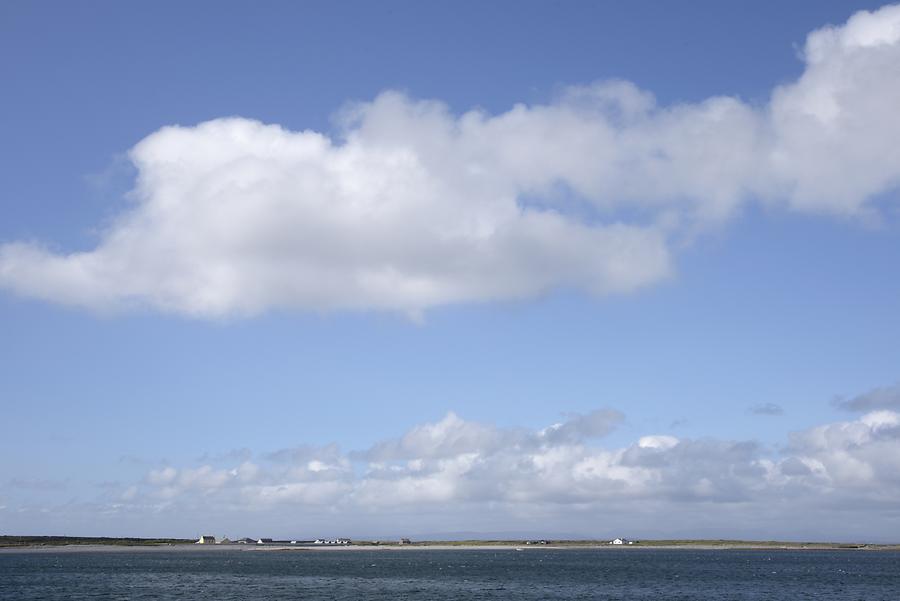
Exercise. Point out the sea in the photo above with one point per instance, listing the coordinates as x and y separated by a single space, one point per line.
634 574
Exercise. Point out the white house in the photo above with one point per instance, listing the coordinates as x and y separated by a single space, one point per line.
206 540
617 541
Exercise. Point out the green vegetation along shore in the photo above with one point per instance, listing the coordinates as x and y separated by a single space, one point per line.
57 541
52 541
719 543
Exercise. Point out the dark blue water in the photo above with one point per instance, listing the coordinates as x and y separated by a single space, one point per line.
462 574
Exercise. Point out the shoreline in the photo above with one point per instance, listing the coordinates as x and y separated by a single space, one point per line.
238 548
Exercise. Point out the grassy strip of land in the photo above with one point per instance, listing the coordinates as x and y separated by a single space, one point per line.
718 543
39 541
55 541
748 543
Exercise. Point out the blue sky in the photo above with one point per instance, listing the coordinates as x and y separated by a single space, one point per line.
132 398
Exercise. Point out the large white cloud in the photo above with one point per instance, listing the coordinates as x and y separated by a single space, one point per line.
412 207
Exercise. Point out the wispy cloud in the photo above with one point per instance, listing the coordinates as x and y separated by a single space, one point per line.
885 397
411 207
766 409
37 484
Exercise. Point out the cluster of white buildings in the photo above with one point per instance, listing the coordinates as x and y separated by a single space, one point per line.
212 540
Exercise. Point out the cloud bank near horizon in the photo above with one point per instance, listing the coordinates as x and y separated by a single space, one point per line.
413 207
836 480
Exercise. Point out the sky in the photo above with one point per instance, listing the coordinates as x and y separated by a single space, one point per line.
440 269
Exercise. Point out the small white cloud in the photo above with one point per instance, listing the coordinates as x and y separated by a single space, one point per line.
162 476
878 420
659 441
448 437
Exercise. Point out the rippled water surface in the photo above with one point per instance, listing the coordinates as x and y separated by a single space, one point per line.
456 574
